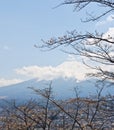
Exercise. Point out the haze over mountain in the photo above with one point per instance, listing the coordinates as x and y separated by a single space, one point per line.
62 89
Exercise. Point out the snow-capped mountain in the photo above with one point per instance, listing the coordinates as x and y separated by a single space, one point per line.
62 89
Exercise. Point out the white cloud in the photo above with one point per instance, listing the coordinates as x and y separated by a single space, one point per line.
5 82
68 69
109 34
71 57
108 20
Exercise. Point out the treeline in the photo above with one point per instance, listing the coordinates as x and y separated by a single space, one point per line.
93 113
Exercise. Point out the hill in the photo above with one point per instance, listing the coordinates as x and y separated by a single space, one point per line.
62 89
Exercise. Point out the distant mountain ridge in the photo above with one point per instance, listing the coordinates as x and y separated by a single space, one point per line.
62 89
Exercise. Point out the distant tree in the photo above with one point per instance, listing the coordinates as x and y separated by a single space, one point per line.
93 113
97 47
31 114
19 116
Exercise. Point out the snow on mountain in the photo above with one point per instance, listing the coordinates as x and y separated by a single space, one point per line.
62 89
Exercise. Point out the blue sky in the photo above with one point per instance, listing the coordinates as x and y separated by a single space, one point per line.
24 23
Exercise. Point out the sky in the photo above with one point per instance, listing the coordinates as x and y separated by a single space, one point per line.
24 23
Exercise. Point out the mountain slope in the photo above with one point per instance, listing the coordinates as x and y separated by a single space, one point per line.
62 88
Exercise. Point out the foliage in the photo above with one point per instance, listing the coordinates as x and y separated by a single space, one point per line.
72 114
